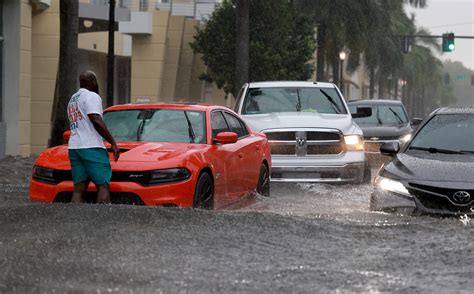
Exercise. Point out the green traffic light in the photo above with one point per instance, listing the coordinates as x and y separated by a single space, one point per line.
451 47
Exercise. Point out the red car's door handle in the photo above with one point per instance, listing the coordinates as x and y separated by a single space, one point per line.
257 147
241 155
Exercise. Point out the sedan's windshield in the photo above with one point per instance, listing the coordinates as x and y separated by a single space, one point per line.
157 125
452 134
268 100
381 115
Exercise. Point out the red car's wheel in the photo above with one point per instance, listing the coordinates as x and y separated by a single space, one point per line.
263 186
204 193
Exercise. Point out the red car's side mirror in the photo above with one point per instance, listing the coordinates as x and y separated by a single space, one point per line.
226 138
66 136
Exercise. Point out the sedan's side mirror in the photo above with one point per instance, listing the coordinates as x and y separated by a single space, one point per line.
390 148
66 136
362 112
416 121
226 138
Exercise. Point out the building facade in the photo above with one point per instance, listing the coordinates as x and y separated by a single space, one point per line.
153 60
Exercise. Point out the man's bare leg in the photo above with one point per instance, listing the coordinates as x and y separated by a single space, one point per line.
79 191
103 194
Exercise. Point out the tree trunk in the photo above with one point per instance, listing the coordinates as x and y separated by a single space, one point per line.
371 83
321 53
242 46
66 80
335 70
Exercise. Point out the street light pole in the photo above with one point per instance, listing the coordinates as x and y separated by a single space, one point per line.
111 55
342 56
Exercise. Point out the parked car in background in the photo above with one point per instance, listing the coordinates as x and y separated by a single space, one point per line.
434 172
172 155
389 122
312 135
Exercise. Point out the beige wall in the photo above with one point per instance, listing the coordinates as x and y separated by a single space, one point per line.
25 79
45 56
186 61
148 59
174 42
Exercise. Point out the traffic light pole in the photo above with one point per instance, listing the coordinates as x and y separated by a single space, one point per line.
111 55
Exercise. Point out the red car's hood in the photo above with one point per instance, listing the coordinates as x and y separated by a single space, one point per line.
134 155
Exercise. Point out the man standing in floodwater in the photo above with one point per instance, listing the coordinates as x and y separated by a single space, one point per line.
87 153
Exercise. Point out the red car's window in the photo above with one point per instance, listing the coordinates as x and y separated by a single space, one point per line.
157 125
218 124
236 125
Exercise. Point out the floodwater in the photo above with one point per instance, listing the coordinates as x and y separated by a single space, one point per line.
304 238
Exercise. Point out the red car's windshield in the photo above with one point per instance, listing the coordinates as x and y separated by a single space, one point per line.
157 125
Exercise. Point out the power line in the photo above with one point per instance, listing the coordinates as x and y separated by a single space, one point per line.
451 25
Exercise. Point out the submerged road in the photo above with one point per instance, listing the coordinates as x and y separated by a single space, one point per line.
305 238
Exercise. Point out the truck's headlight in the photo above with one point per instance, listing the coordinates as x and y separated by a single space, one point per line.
354 143
391 185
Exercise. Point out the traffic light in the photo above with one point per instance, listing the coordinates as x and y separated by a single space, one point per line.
448 42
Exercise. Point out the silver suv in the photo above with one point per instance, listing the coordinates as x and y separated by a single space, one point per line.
312 135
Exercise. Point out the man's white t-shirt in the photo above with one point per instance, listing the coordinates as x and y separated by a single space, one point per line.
83 133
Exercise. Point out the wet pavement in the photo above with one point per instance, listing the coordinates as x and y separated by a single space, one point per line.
305 238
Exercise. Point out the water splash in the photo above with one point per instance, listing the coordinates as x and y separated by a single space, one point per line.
465 219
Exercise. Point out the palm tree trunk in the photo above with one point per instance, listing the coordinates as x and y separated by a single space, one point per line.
66 80
335 69
242 45
321 52
371 83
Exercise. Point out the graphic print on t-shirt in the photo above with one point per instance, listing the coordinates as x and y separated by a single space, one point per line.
73 113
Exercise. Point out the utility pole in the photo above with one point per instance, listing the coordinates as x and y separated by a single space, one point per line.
111 55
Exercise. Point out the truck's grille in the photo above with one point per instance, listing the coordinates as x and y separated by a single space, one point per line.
303 143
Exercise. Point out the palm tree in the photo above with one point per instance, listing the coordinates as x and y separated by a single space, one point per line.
242 45
66 81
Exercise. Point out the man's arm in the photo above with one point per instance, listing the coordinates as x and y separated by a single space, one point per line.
101 128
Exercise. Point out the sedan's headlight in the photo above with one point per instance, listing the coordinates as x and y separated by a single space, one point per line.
405 138
42 174
170 175
354 143
391 185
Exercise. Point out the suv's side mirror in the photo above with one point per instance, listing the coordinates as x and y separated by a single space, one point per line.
416 121
390 148
66 136
362 112
226 138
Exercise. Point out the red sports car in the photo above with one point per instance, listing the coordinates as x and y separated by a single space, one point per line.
172 155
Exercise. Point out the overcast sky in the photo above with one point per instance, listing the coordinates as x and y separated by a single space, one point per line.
443 16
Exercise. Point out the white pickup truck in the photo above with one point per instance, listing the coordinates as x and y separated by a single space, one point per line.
312 135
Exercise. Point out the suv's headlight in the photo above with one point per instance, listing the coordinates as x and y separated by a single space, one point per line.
405 138
354 143
170 175
391 185
42 174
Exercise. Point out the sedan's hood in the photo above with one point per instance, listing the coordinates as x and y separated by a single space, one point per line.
424 166
135 155
342 122
385 131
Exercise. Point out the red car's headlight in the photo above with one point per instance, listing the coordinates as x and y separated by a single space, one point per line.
170 175
42 174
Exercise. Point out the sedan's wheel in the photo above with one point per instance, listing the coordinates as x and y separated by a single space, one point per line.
204 193
263 186
374 204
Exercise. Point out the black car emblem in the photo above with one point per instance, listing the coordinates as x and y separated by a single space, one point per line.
461 197
301 142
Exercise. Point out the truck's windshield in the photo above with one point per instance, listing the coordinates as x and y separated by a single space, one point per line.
292 99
